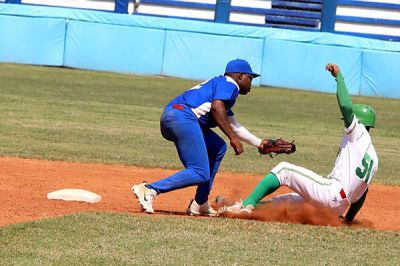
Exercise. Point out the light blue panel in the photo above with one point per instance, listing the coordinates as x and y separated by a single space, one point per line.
29 40
302 66
177 24
202 56
194 49
199 26
114 48
380 74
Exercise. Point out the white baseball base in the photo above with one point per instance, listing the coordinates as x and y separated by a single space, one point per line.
74 194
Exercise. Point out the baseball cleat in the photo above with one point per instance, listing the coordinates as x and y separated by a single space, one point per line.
203 210
237 209
145 196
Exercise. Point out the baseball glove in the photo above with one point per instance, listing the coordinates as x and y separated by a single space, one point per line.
277 146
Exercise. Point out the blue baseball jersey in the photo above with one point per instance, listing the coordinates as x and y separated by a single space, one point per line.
200 97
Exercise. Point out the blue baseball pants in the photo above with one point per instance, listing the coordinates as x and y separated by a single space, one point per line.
200 151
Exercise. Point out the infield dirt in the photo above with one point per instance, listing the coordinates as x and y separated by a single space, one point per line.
26 182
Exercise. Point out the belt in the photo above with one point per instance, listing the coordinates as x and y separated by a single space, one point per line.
342 194
178 106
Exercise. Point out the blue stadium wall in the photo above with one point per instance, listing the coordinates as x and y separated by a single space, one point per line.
197 50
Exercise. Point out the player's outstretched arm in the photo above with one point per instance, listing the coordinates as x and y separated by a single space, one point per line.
242 133
218 112
355 207
342 94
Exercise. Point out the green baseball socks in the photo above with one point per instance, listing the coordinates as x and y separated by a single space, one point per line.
266 186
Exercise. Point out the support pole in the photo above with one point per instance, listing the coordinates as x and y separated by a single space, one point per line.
328 16
222 11
121 6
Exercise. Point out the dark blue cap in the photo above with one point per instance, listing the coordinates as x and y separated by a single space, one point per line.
240 66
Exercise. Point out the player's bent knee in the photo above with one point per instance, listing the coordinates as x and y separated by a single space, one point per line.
280 166
202 175
280 172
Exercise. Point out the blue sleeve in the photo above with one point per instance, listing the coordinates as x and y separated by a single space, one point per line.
230 113
224 91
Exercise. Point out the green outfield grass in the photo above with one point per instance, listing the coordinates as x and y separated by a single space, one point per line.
115 239
75 115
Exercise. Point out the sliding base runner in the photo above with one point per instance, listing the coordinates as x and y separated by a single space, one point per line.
346 187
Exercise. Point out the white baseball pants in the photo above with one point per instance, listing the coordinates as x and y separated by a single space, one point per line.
310 187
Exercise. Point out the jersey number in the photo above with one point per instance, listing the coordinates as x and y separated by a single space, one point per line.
365 172
198 86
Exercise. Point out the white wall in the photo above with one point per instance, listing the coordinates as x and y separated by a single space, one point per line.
92 4
207 14
377 13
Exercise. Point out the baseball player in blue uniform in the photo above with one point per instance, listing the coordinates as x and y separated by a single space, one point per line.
187 121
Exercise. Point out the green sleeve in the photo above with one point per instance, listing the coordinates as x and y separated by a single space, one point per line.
355 207
344 100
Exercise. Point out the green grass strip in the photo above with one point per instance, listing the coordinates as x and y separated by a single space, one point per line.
115 239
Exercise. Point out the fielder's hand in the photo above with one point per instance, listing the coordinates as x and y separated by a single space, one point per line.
263 146
237 146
